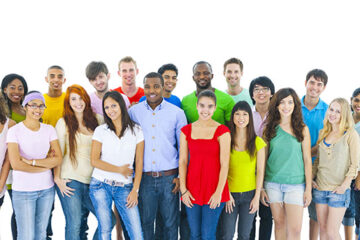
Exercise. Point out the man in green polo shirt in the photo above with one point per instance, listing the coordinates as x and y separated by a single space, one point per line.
202 76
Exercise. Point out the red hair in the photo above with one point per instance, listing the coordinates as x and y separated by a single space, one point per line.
72 124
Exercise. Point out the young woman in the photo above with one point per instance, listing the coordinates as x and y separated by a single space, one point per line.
203 184
73 176
288 166
5 124
115 146
355 106
246 174
335 167
33 186
14 88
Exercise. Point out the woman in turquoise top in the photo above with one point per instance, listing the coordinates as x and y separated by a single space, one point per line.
288 166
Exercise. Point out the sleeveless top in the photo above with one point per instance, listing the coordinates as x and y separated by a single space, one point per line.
204 166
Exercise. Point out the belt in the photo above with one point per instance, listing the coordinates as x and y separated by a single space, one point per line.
163 173
114 183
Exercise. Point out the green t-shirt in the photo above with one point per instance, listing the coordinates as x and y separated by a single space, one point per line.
224 106
243 96
242 169
285 163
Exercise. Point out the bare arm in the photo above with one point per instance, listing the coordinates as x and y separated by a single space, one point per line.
52 160
96 162
306 151
260 171
183 162
4 171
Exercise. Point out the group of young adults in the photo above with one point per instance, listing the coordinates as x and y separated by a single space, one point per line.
225 155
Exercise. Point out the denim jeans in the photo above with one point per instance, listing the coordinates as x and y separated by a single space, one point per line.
156 196
203 221
73 208
13 220
184 224
102 195
349 217
227 221
357 211
32 212
266 223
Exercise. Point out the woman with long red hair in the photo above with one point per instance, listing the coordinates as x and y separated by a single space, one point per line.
72 177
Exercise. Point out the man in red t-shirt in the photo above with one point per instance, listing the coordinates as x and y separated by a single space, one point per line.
128 71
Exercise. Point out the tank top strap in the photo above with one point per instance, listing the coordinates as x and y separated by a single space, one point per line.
220 130
187 131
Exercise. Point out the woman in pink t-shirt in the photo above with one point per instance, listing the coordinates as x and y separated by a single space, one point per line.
29 144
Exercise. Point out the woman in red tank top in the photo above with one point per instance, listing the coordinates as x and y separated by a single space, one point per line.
203 184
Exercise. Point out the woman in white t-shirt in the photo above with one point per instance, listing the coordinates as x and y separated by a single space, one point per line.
115 146
29 143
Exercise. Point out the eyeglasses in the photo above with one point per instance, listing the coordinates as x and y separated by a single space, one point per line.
264 90
34 106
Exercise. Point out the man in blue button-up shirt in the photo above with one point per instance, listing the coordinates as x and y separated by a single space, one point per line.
161 123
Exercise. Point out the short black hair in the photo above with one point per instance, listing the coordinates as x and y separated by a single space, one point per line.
167 67
356 92
318 74
154 75
56 67
207 93
202 62
6 81
262 81
94 68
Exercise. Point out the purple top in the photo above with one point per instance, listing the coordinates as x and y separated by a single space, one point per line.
96 103
259 123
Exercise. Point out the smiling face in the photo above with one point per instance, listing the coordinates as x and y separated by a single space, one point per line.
334 113
261 94
34 109
314 87
100 83
77 104
15 91
241 119
355 104
286 106
206 108
233 74
112 109
127 72
153 91
170 80
55 79
202 76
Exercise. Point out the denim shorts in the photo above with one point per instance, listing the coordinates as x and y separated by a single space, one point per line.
332 199
285 193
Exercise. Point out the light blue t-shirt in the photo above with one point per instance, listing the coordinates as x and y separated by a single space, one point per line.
314 119
357 127
243 96
172 99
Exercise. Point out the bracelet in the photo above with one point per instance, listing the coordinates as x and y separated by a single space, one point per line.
182 194
33 162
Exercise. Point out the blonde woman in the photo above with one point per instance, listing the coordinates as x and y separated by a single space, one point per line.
335 167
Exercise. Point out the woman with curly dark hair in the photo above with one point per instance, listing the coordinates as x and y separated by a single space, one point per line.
288 166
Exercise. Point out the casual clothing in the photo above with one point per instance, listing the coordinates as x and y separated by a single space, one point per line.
259 123
285 163
357 127
222 114
96 103
334 200
161 128
244 95
285 193
54 109
349 217
17 117
106 187
203 221
337 161
314 119
172 99
357 195
135 98
3 149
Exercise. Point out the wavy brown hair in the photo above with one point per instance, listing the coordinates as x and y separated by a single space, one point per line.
72 124
274 118
3 109
250 130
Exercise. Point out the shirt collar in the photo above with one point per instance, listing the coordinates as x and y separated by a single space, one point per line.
158 108
319 106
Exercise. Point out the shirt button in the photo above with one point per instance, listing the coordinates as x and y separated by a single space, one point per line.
153 137
153 162
153 114
153 150
153 125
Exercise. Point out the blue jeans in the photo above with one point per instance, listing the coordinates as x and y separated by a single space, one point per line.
155 196
13 221
227 221
32 212
357 211
349 217
334 200
266 223
203 221
102 195
184 224
73 208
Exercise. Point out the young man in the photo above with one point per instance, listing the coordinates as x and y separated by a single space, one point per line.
233 71
314 110
98 75
202 76
161 123
261 90
169 72
128 71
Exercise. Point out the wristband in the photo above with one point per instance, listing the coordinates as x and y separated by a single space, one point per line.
182 194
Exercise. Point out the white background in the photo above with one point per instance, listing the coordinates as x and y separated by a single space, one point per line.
280 39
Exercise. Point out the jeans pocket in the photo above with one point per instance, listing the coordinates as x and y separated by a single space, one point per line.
95 184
